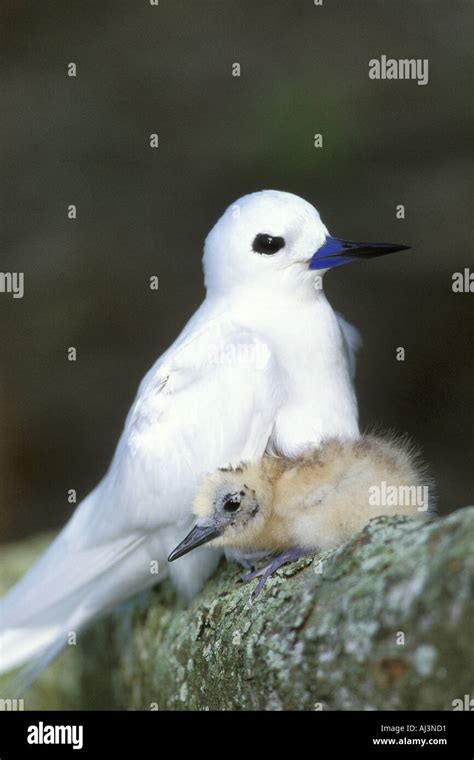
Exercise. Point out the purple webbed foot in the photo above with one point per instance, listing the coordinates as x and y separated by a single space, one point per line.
290 555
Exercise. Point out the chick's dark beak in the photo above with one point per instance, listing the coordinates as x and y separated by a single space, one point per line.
199 535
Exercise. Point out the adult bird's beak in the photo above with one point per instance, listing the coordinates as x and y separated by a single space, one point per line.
198 536
335 252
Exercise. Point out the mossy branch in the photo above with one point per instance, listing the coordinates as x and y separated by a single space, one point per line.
384 622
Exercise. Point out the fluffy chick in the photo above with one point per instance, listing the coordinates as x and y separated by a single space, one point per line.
312 503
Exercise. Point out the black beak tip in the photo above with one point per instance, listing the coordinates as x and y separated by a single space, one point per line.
199 535
374 250
388 248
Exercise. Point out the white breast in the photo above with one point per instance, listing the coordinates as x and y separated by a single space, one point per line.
315 364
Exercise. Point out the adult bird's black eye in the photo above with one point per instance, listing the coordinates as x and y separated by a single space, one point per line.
231 502
267 244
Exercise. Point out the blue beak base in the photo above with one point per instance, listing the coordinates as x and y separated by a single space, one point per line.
335 252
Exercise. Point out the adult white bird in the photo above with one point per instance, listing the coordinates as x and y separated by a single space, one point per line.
264 364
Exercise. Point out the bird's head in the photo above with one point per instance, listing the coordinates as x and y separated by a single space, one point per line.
270 238
232 507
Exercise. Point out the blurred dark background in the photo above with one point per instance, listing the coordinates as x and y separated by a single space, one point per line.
141 212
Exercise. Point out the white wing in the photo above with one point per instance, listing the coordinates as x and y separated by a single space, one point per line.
210 401
352 341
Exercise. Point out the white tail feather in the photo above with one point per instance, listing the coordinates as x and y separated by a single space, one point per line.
61 594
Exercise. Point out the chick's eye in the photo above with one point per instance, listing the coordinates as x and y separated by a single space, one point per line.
267 244
231 502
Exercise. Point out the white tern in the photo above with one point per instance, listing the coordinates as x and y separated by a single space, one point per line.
264 365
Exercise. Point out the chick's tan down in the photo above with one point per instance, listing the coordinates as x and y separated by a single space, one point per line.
316 501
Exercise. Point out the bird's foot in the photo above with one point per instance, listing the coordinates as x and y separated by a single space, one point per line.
247 577
290 555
